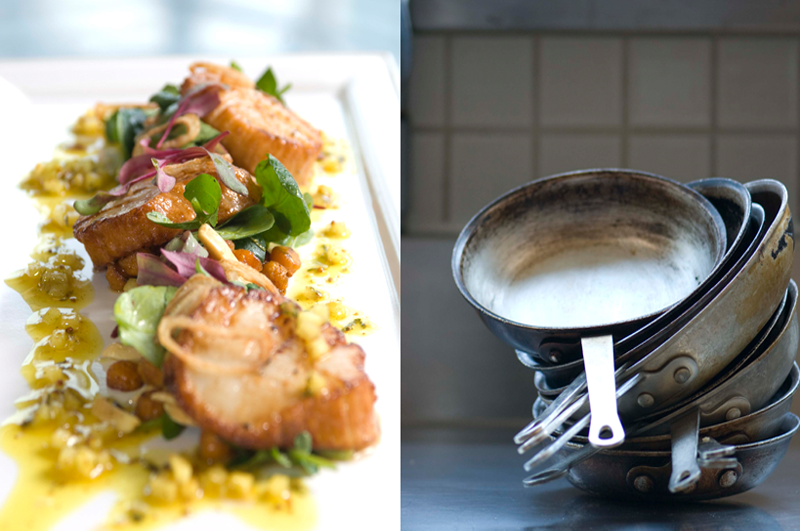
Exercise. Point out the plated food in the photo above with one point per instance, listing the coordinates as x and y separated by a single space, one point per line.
202 208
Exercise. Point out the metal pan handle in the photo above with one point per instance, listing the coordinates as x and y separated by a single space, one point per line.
605 430
685 470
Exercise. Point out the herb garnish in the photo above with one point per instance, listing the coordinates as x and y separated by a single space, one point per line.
268 84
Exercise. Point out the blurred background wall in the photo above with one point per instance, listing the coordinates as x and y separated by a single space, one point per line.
36 28
504 92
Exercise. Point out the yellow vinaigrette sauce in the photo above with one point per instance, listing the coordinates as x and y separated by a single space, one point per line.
65 453
329 259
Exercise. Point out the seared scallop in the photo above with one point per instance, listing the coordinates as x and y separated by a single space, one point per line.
122 228
238 367
259 125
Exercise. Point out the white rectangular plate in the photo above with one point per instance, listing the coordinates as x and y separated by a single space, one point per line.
355 97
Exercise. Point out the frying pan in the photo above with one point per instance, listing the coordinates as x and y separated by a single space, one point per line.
644 475
732 200
758 425
744 386
750 292
582 257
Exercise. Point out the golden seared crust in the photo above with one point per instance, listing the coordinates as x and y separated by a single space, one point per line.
122 228
213 73
269 406
260 125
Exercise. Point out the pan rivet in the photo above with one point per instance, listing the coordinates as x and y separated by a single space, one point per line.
643 483
555 356
646 400
728 479
682 375
733 413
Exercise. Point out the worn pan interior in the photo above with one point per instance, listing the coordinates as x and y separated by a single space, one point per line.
584 254
556 377
764 340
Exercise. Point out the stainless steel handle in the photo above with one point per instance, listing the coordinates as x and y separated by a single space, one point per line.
605 430
685 470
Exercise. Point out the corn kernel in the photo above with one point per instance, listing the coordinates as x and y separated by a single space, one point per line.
213 479
240 485
337 229
277 487
86 463
338 311
181 468
49 374
190 489
309 325
62 438
335 255
321 311
317 348
130 284
316 384
163 488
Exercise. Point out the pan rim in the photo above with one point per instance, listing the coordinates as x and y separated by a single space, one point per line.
469 231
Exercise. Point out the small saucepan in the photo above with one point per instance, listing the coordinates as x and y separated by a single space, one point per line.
585 257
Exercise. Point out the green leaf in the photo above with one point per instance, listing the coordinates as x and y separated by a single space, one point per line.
169 428
282 196
199 269
297 458
178 130
277 236
166 97
235 66
206 133
250 221
280 458
304 238
150 424
227 174
164 221
204 194
303 442
311 463
337 455
123 126
254 244
268 83
138 313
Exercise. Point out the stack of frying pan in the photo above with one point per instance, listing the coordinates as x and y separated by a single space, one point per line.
660 321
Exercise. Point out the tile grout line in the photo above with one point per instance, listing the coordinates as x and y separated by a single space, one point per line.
444 216
624 134
652 130
714 90
536 104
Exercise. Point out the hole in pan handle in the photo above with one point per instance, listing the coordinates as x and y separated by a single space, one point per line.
605 430
684 434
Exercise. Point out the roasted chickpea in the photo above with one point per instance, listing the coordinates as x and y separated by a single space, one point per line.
287 257
116 280
230 244
213 449
129 266
147 408
248 258
278 275
123 375
151 374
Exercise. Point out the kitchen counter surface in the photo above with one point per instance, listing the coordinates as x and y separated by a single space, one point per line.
471 479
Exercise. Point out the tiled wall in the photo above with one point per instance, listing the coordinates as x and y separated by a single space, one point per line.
491 111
